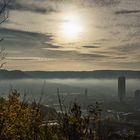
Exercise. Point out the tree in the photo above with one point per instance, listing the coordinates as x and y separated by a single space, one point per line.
3 10
19 120
2 57
3 17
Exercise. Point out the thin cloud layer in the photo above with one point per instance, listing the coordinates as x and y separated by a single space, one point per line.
101 2
127 12
43 6
91 47
128 48
22 45
111 35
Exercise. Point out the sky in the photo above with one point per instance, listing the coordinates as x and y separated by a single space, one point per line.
72 35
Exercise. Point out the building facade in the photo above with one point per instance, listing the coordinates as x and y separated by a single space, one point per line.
121 88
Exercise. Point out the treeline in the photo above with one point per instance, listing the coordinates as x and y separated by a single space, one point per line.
107 74
21 120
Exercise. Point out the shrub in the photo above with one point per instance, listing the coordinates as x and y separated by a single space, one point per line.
18 119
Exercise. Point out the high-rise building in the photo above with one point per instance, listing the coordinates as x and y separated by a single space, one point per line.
137 95
121 88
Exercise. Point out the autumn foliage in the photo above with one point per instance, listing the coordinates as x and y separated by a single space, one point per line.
21 120
18 119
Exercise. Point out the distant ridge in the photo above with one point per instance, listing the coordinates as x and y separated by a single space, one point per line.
15 74
106 74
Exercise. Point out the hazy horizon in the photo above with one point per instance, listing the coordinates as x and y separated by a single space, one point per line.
100 89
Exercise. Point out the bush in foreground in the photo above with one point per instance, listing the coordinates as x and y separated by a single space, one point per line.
20 120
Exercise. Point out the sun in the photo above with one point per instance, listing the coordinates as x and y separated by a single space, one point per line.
71 27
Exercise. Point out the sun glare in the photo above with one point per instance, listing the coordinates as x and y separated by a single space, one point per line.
71 27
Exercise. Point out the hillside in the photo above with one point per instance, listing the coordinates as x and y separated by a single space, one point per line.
107 74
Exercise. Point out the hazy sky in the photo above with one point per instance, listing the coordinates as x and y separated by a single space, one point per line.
72 35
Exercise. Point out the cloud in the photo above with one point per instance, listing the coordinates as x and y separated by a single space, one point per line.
107 2
18 34
23 58
126 12
120 57
60 54
50 45
99 2
24 44
42 6
90 47
128 49
20 39
74 55
93 56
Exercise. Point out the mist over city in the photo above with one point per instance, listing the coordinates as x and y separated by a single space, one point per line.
70 70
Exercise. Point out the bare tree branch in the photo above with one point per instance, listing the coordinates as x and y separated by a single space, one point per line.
3 17
3 10
3 55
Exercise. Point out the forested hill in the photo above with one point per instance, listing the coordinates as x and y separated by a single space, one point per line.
16 74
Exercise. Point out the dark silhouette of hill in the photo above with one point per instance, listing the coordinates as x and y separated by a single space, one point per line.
108 74
15 74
